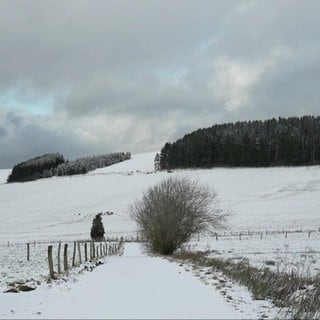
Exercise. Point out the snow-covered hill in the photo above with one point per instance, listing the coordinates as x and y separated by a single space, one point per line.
4 173
63 207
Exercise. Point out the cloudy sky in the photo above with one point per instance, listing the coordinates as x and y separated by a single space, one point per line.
90 77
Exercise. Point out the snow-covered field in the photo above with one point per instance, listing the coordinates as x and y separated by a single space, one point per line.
297 253
62 208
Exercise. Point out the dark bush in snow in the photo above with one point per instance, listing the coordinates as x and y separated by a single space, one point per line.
97 229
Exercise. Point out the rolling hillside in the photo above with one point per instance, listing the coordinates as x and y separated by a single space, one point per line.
63 207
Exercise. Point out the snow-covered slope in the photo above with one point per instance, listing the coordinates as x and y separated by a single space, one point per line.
4 173
63 207
143 162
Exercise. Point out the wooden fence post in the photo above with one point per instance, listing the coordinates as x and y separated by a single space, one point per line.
28 251
261 235
59 249
65 258
85 252
50 261
216 236
74 254
93 250
309 233
286 234
240 236
79 253
101 254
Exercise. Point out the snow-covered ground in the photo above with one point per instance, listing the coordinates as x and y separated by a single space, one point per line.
15 266
62 208
132 286
4 173
267 198
297 253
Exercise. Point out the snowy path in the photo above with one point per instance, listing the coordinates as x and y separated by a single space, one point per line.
132 286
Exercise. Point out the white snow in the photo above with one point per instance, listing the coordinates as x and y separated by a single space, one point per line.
270 198
62 208
297 253
133 286
4 173
143 162
139 286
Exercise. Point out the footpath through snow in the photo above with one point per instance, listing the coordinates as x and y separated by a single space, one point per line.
132 286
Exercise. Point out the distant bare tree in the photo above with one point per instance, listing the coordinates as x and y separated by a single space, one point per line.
169 213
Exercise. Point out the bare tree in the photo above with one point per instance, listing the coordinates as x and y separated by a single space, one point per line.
169 213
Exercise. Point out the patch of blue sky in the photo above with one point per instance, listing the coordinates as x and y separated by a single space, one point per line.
37 105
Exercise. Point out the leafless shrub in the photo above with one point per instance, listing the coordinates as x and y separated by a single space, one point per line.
170 212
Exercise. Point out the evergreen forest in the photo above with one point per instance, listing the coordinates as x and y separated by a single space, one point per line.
54 164
275 142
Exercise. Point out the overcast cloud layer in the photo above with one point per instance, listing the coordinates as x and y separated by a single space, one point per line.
91 77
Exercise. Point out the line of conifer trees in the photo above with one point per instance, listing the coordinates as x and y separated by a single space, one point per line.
276 142
52 164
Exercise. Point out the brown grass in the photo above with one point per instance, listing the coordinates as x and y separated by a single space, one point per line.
299 296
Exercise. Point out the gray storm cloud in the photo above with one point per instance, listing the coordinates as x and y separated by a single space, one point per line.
131 75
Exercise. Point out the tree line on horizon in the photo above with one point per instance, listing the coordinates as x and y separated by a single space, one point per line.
289 141
54 164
